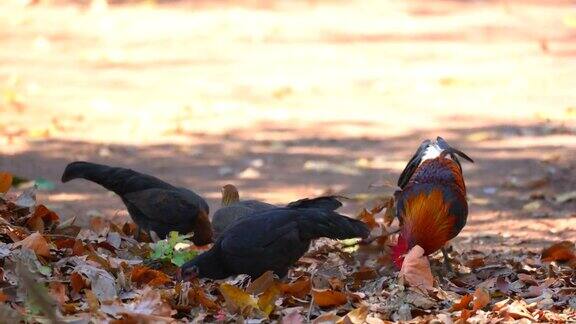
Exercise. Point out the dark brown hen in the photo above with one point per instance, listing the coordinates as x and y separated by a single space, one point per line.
153 204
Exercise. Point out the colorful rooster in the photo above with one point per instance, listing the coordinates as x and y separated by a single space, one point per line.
431 202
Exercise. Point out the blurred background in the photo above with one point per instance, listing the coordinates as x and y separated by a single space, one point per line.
294 98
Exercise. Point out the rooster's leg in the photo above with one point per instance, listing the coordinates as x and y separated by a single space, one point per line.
447 264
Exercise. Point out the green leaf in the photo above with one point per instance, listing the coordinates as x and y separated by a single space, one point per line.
164 250
174 238
161 250
181 257
44 184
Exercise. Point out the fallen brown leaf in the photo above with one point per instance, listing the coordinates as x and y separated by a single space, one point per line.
95 257
502 285
149 307
465 314
93 303
37 243
268 298
356 316
390 213
335 283
330 317
563 252
299 288
416 269
102 283
464 303
329 298
78 248
475 263
481 298
238 301
517 310
261 284
365 273
42 218
5 181
77 282
197 297
99 225
500 305
3 297
64 243
144 275
533 291
293 318
368 218
58 291
17 234
528 279
35 224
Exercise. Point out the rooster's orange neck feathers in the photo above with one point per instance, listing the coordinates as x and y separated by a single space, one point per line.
427 221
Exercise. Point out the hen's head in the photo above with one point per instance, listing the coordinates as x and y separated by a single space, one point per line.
230 195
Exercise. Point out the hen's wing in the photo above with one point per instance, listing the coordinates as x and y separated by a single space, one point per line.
258 244
163 210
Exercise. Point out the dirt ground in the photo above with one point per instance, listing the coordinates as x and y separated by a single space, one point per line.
290 99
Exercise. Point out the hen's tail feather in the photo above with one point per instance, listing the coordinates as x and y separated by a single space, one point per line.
118 180
324 203
314 224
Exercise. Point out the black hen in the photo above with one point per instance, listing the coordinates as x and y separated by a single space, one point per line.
233 209
153 204
273 240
